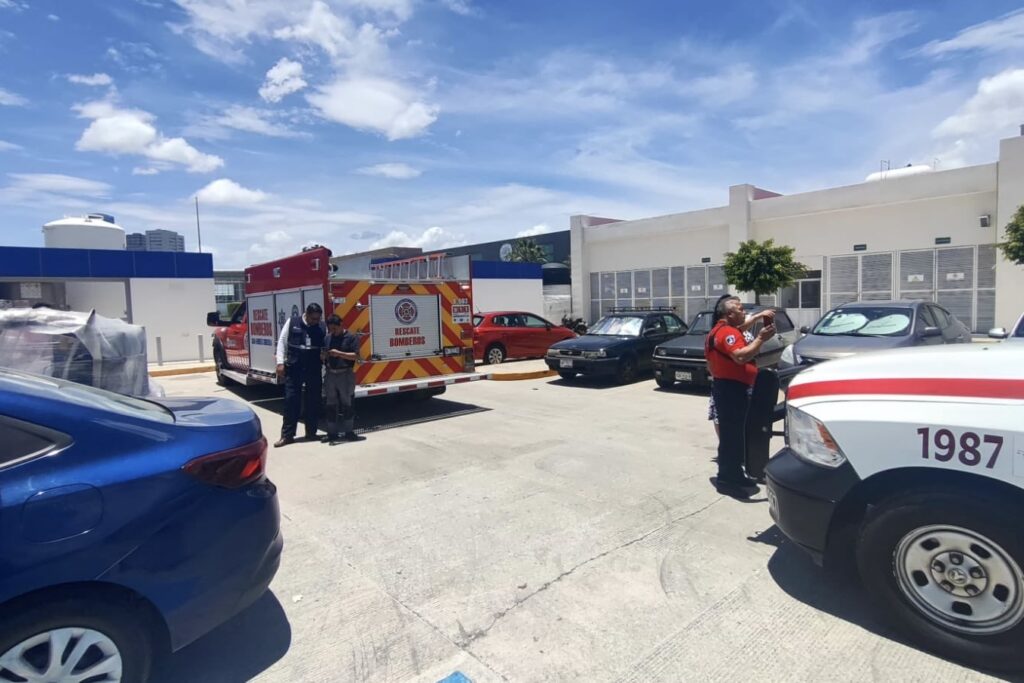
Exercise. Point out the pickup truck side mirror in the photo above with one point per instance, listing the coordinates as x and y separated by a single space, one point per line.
998 333
930 331
213 319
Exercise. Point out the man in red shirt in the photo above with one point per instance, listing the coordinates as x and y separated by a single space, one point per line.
731 362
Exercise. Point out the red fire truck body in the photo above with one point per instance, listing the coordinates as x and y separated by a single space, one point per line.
415 326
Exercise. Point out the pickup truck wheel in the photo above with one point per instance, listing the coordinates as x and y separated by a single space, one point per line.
495 354
946 571
665 383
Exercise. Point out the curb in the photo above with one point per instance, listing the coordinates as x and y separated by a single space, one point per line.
180 371
514 376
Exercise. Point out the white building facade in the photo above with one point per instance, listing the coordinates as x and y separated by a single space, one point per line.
928 236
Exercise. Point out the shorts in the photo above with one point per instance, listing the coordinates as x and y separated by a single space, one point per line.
712 413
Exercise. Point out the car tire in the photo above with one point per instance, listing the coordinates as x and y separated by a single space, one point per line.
910 544
120 632
665 383
566 375
626 372
494 355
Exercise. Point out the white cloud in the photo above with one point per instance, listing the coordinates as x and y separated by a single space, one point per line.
461 7
397 171
145 170
8 146
374 104
94 79
13 5
431 238
283 79
733 84
1004 33
53 17
247 119
539 229
993 112
27 184
131 131
10 99
225 191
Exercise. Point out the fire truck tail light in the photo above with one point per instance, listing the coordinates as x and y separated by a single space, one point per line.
810 440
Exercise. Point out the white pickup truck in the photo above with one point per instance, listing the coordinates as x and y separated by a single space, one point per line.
912 461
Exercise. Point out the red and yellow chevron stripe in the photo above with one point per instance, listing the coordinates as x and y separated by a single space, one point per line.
352 305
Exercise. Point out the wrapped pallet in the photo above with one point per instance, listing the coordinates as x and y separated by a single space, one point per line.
80 347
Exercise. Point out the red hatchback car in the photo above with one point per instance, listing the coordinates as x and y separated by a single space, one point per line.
514 334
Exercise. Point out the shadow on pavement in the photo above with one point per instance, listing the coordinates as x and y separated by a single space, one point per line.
234 652
834 592
373 414
595 382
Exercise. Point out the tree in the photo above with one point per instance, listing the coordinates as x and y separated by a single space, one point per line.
1013 247
762 268
526 250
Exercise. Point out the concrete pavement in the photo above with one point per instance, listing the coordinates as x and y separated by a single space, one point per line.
535 531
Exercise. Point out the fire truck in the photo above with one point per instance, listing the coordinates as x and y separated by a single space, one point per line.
413 318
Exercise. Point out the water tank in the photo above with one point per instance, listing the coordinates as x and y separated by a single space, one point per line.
95 231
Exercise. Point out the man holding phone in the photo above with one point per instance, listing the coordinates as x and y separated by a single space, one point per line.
732 362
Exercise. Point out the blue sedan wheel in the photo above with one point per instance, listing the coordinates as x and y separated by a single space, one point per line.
74 640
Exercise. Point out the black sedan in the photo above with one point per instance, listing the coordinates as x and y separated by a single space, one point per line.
619 345
682 360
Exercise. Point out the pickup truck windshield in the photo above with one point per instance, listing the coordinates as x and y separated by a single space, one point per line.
617 326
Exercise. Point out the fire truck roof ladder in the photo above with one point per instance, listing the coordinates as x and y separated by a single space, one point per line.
425 268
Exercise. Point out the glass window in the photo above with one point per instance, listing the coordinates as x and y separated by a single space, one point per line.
673 325
880 321
810 294
21 441
791 297
608 286
925 318
534 321
239 315
618 325
500 321
701 323
782 322
942 317
477 319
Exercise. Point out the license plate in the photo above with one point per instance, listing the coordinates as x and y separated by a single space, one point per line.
683 376
565 363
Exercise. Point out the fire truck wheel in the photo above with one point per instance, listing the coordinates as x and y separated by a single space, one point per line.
495 354
945 569
219 363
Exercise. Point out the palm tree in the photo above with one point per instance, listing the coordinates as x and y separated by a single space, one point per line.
526 250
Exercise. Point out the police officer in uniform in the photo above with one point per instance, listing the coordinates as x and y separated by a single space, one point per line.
300 366
731 361
341 353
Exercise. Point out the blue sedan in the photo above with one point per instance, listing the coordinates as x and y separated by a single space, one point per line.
127 528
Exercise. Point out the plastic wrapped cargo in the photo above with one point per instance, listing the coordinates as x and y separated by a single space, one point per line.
80 347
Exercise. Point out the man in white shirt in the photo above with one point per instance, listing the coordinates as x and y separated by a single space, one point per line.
300 367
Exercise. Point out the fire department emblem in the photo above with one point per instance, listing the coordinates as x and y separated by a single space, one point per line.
406 312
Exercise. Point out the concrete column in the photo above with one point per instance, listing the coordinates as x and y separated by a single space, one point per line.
1010 189
580 269
740 197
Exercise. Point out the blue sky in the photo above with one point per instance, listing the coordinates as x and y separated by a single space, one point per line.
363 123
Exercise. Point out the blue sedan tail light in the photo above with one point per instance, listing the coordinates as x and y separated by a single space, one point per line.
233 468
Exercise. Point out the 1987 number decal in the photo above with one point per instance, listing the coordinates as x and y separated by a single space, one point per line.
943 445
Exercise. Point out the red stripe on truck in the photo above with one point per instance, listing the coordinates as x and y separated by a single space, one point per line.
913 386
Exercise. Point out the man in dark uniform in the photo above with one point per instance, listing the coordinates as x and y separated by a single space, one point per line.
341 353
299 365
731 361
